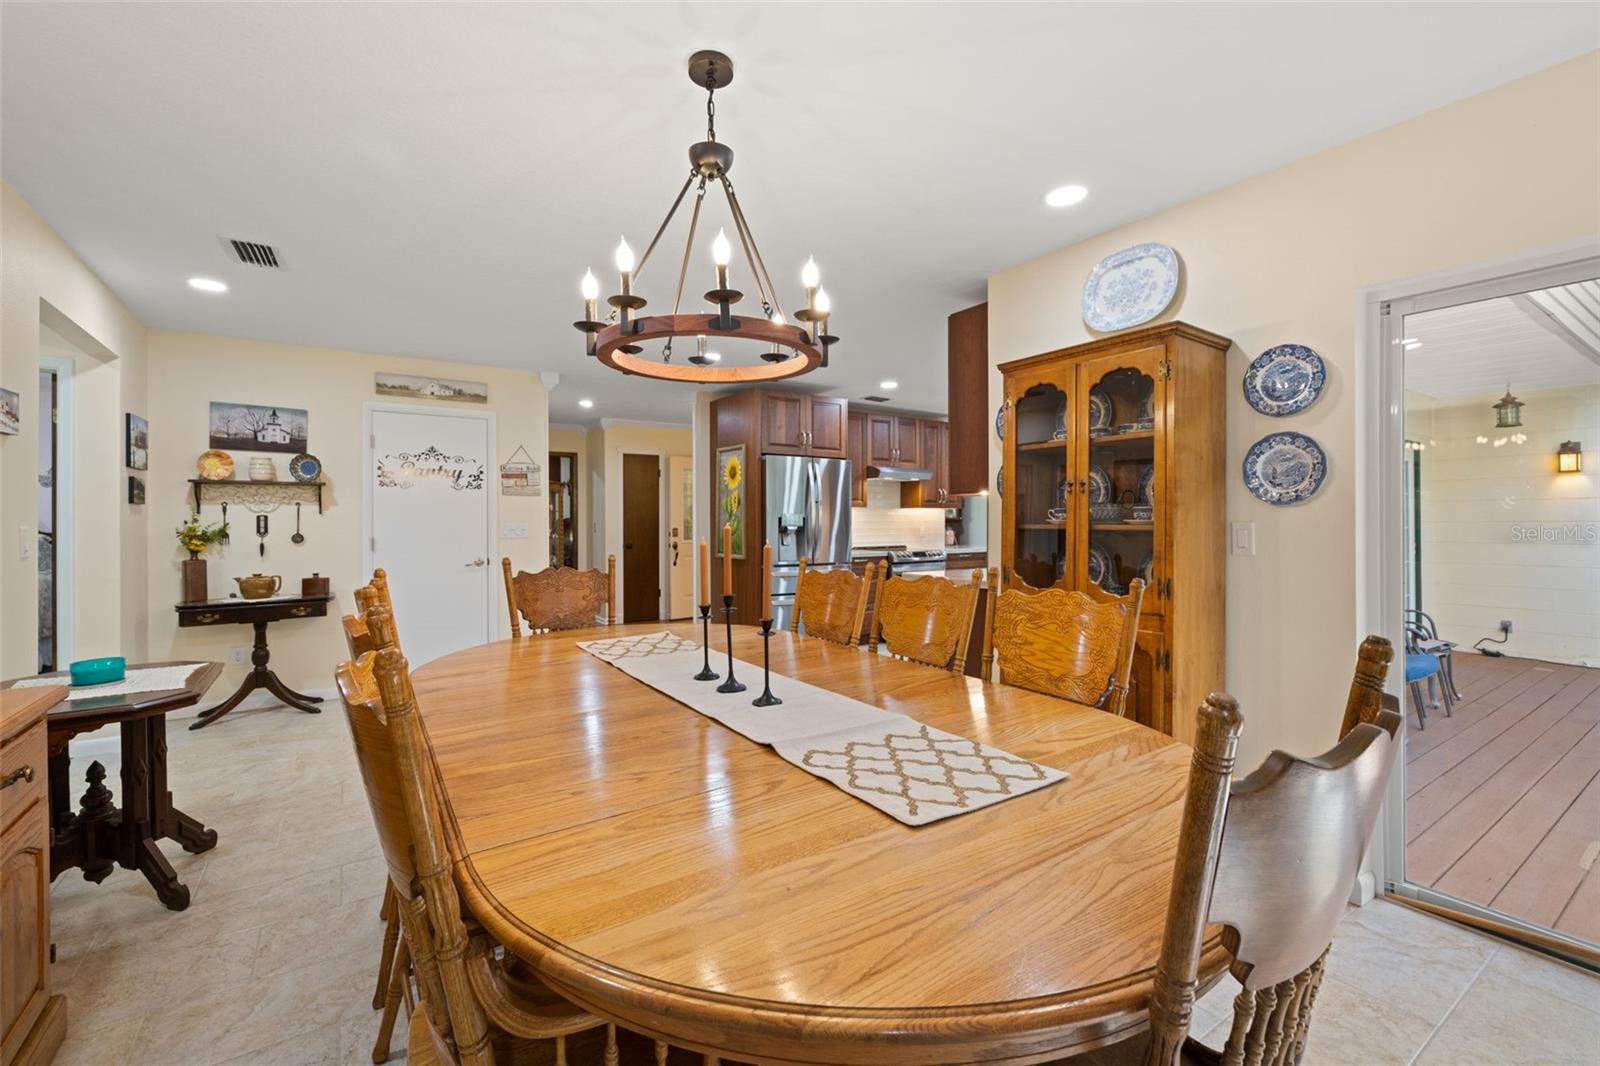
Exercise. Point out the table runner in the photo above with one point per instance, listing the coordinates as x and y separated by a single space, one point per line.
144 679
908 770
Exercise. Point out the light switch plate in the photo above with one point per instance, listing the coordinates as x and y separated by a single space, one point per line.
25 542
1243 540
514 531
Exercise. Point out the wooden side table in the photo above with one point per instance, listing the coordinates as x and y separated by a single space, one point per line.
98 836
259 614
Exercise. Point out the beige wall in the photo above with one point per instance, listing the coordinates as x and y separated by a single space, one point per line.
576 439
1280 258
332 386
608 443
1503 534
42 280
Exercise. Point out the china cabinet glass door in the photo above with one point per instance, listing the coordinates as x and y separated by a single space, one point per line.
1120 474
1036 490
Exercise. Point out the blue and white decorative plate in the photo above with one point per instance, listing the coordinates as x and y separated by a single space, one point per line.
1130 287
1147 487
1061 421
1284 468
1099 486
1099 564
999 482
1147 566
1000 421
1100 412
1284 380
1061 493
305 468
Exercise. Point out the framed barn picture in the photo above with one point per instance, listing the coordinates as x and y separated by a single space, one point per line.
137 433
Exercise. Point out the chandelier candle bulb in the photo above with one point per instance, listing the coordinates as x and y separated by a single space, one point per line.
721 253
591 296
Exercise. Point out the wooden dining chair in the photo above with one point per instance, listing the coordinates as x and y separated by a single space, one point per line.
475 1009
561 597
832 603
927 619
1065 643
1366 699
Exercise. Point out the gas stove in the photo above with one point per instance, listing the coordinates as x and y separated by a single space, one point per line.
920 561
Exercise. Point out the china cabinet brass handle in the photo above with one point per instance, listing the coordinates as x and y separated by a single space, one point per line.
21 773
1082 484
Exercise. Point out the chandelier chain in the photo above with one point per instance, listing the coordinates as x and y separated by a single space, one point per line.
711 104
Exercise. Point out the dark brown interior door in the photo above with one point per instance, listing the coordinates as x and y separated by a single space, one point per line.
641 538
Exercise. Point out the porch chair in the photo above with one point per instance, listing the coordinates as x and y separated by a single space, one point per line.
926 619
1065 643
832 603
1423 666
1430 644
561 597
1271 858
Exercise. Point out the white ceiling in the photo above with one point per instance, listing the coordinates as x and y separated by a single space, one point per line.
437 176
1475 350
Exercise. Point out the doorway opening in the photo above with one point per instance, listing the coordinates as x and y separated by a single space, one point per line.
564 522
641 537
1500 594
54 521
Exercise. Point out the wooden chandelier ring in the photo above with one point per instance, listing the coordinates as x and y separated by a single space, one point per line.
652 327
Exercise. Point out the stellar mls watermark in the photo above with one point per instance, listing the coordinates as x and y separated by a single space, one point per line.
1555 532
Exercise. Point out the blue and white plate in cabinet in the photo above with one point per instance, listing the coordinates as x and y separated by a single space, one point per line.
1099 485
1284 380
999 482
1100 412
1147 487
1284 468
1099 564
1147 566
1000 421
1130 287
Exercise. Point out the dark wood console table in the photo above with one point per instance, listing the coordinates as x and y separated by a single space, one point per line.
99 836
260 614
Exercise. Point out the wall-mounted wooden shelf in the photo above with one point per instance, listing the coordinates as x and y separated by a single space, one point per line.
255 492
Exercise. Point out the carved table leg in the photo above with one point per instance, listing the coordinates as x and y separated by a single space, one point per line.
162 877
66 842
260 677
166 820
95 814
144 796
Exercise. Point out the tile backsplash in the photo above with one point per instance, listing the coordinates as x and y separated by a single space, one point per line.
884 521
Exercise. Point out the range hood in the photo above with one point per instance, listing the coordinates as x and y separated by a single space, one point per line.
898 473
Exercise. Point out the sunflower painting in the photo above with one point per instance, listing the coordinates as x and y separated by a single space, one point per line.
730 497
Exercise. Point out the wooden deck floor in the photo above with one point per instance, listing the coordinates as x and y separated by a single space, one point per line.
1503 798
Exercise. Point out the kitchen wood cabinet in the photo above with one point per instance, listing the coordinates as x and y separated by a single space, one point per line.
33 1021
880 439
971 414
932 435
1113 468
855 450
797 423
907 441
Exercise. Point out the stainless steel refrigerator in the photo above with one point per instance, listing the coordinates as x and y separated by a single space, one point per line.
808 514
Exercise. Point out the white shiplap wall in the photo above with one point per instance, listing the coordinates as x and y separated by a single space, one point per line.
1503 534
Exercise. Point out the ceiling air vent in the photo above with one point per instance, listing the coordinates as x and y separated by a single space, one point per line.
876 399
253 254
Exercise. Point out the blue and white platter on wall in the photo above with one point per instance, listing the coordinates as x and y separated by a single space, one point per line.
1284 468
1130 287
1284 380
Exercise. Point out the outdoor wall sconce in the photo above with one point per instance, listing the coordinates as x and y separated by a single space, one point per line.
1569 457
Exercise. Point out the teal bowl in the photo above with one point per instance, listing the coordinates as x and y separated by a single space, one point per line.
98 671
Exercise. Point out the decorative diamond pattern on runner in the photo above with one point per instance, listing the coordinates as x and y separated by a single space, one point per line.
640 647
922 769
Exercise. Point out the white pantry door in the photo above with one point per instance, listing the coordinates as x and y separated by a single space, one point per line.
680 544
430 524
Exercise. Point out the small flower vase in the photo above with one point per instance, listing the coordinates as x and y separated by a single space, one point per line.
194 579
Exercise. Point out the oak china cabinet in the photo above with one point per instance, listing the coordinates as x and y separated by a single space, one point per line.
1113 469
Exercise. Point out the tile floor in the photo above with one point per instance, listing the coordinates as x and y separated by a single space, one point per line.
273 962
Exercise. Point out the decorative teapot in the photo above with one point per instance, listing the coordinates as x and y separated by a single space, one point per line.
259 586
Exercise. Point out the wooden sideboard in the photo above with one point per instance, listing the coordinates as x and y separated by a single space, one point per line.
32 1020
1088 427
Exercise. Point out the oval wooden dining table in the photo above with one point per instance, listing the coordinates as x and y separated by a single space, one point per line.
672 876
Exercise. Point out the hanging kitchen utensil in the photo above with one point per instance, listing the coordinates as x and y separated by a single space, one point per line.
298 538
261 531
224 521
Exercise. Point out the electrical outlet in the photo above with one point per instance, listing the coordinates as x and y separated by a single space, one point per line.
514 531
238 655
1505 626
1243 539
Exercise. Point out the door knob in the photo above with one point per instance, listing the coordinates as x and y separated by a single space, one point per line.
479 562
628 547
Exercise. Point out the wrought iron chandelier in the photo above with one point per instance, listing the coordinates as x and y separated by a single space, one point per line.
617 340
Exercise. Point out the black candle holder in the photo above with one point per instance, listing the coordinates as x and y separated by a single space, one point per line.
766 699
706 673
732 684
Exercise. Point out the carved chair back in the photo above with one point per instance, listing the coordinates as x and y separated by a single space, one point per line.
1365 701
831 603
1064 643
1272 859
927 619
561 597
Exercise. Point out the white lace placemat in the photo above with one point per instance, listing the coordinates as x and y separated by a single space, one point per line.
143 679
908 770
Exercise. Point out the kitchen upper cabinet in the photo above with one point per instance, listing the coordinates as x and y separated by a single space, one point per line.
932 438
856 451
971 413
907 441
880 439
797 423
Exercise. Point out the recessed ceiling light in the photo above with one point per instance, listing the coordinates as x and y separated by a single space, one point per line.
1066 195
586 402
208 285
889 385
